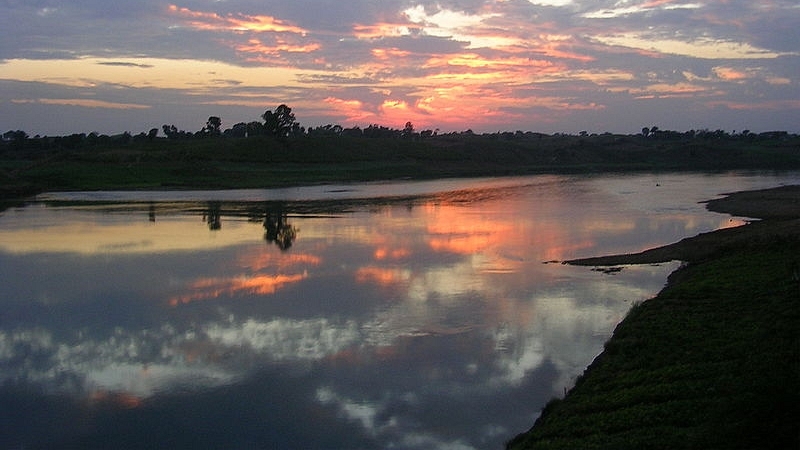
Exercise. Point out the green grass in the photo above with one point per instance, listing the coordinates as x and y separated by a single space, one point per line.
265 162
712 362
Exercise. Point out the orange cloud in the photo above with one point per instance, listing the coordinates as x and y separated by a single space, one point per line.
553 50
473 60
86 103
352 110
769 105
240 22
730 74
677 90
281 46
389 53
656 3
381 30
394 105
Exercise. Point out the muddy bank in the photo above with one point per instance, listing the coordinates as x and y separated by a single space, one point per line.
776 203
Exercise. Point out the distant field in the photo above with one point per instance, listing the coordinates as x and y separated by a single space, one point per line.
35 165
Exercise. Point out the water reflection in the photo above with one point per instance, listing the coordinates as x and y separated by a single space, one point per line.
278 230
405 321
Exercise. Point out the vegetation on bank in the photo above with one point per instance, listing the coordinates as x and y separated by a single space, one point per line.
712 362
278 151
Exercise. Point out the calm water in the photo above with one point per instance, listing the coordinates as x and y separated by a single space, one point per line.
396 315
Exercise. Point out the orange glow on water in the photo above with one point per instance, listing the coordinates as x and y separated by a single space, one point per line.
452 230
258 261
391 253
381 276
208 288
120 399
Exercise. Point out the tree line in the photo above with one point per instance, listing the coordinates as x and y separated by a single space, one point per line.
282 124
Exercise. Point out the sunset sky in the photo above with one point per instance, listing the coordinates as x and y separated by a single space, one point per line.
486 65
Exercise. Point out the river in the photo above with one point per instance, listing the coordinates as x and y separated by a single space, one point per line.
409 314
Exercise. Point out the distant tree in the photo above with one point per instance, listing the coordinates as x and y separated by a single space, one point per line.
327 130
170 131
213 126
15 135
255 129
353 132
124 138
645 131
297 130
238 130
141 137
152 134
92 138
280 123
408 130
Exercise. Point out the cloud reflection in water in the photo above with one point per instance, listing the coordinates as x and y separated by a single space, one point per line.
428 323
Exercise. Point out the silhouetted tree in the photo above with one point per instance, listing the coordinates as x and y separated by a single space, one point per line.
255 129
170 131
408 131
353 132
280 123
327 130
213 126
15 136
379 131
238 130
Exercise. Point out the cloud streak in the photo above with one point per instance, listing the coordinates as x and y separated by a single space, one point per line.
544 65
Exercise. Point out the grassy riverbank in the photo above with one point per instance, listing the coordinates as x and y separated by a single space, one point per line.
42 164
712 362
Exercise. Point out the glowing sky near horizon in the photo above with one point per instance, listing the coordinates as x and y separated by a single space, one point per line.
486 65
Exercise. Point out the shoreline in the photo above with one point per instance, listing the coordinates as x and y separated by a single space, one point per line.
713 361
777 211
